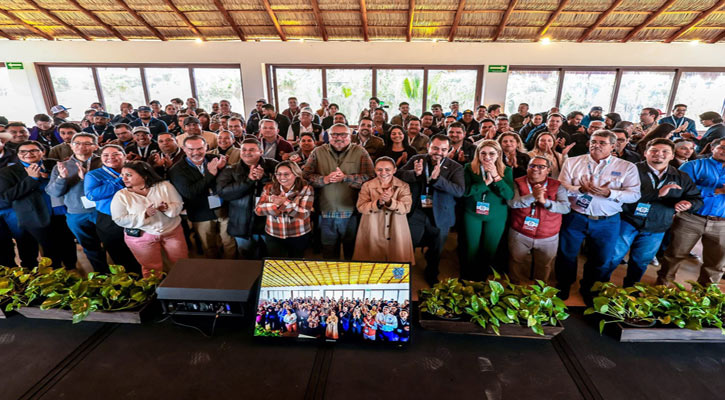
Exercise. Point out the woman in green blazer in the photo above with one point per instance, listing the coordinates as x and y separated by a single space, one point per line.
489 183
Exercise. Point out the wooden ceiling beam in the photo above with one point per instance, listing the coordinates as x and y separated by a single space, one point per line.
717 38
140 19
97 20
649 20
553 16
6 36
273 17
504 20
411 12
318 18
599 20
696 21
230 20
364 19
57 20
184 18
457 19
19 21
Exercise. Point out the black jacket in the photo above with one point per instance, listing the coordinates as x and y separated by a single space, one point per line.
152 148
9 157
194 189
26 195
235 187
629 155
662 209
316 131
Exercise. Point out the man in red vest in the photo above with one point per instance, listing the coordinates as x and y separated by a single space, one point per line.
537 206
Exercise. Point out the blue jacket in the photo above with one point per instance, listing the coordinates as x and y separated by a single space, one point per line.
677 122
708 174
588 119
71 189
100 185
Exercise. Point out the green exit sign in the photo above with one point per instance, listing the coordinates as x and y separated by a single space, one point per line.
498 68
14 65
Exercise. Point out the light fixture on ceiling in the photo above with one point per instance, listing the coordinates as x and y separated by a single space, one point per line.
694 42
198 40
545 41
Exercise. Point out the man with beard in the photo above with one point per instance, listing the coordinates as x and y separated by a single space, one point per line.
282 121
192 127
126 115
143 146
169 154
462 151
64 150
100 127
487 131
470 126
415 139
521 117
255 116
428 127
364 137
145 119
595 114
236 127
438 116
404 117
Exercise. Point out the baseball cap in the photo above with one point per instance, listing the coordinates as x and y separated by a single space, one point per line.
596 108
141 129
58 108
101 114
144 108
468 112
307 110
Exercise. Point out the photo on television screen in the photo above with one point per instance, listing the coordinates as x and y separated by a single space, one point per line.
334 301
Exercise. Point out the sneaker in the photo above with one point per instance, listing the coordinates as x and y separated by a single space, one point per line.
655 262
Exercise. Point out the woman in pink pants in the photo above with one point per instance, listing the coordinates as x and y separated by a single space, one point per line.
148 208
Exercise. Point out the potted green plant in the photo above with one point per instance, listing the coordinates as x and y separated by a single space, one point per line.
446 300
622 305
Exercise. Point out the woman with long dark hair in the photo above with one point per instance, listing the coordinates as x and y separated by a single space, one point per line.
661 131
396 147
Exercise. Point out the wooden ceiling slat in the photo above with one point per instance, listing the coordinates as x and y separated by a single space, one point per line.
364 18
230 20
97 20
6 36
718 38
696 21
411 11
552 18
649 20
19 21
140 19
457 19
599 20
504 20
57 20
318 17
184 18
274 20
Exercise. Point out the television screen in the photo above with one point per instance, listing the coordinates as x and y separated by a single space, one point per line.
334 301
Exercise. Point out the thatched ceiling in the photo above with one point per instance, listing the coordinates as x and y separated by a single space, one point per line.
452 20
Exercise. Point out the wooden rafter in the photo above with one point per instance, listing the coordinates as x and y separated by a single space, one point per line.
649 20
184 18
230 20
599 20
6 36
97 20
57 20
318 18
277 26
19 21
364 18
696 21
718 38
140 19
553 16
504 19
457 19
411 12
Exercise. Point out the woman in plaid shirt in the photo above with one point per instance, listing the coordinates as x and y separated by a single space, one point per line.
287 203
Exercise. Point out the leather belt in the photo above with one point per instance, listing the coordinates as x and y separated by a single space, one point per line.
598 217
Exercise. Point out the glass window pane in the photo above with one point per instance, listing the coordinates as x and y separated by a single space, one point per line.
537 88
583 90
166 83
305 84
350 89
391 295
445 86
74 88
376 294
640 89
121 85
215 84
16 101
701 91
395 86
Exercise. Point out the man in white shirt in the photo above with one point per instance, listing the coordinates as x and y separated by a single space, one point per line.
597 184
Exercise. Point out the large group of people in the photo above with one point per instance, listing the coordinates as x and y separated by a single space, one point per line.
524 192
336 319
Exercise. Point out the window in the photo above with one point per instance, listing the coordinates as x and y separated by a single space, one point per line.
391 295
16 101
701 91
445 86
74 88
121 85
583 90
305 84
215 84
640 89
537 88
395 86
375 294
166 83
350 89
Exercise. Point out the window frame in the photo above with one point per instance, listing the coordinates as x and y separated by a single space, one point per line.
50 99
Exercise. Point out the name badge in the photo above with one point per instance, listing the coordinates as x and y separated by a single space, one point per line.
583 201
87 203
616 173
530 224
214 201
426 201
482 208
56 202
642 210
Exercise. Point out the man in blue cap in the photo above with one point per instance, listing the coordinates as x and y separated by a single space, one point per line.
101 127
156 126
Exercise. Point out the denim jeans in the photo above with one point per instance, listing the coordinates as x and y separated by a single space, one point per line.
83 227
642 247
336 231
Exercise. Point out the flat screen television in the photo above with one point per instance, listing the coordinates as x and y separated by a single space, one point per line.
336 301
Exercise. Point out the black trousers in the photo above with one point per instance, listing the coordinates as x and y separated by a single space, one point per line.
293 247
112 237
27 246
57 241
424 233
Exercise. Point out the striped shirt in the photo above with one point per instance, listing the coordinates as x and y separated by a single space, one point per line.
292 218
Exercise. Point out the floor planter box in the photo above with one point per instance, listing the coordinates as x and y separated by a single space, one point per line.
470 328
659 333
136 316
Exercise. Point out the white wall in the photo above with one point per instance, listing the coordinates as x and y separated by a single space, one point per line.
253 56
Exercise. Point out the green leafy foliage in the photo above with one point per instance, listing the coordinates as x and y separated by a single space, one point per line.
495 302
261 331
63 289
691 309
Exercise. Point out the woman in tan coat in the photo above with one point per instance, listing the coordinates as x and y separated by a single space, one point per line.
383 202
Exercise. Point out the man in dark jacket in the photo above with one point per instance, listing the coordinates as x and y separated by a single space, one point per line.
101 127
22 187
195 180
241 186
143 145
665 191
621 150
283 122
155 126
273 146
715 130
7 155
